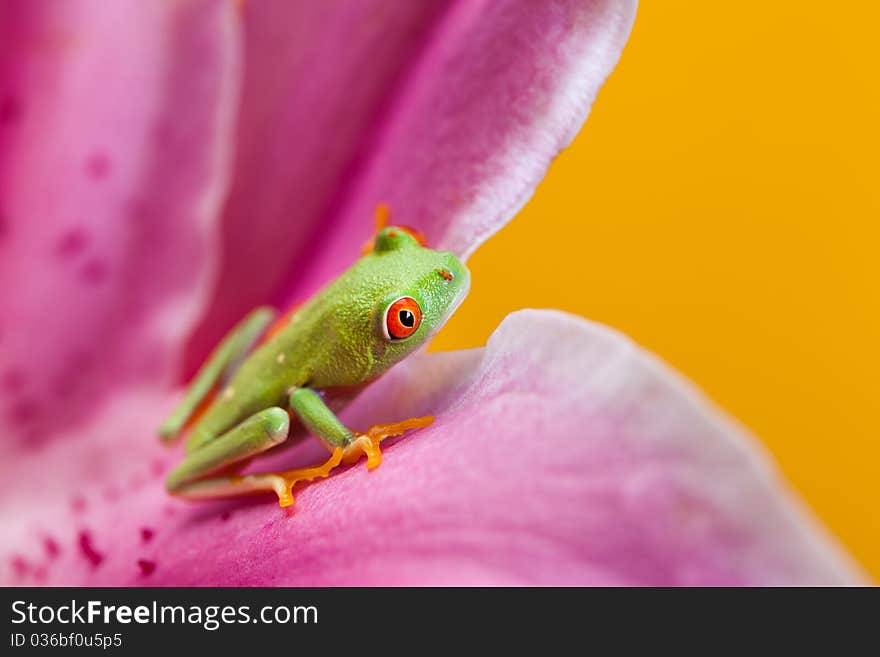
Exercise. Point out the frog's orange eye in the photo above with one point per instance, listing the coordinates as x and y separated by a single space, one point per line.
402 318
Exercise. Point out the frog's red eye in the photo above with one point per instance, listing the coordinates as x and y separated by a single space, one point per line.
402 318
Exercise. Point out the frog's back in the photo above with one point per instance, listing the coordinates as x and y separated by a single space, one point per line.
263 380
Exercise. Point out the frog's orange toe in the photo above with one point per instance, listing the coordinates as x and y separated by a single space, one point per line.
368 443
283 482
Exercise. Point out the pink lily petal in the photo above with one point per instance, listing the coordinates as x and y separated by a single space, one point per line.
451 117
115 120
561 454
316 78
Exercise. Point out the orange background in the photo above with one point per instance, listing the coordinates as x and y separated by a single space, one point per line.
721 207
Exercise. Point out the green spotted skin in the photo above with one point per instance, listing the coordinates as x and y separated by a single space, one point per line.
335 343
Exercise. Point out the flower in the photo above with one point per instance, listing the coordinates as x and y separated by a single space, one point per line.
164 167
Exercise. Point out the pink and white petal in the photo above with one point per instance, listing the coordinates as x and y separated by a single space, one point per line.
317 78
449 112
561 454
501 88
114 151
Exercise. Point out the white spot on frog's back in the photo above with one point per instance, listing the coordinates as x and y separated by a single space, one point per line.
279 358
229 393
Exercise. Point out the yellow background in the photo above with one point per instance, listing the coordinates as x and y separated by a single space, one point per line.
721 207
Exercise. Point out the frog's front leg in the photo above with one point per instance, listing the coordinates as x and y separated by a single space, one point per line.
344 444
324 424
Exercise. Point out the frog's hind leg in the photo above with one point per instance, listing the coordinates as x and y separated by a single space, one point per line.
346 446
222 362
258 433
317 418
280 483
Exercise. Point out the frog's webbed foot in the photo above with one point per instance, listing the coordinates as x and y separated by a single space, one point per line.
283 482
280 483
368 443
363 443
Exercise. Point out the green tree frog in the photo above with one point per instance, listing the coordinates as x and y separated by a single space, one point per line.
272 381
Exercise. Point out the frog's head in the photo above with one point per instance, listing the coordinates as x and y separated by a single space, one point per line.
417 290
386 306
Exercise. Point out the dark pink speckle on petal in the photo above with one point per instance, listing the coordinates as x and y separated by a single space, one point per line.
111 493
13 380
51 546
80 360
72 243
147 567
98 165
34 438
10 110
147 534
78 504
88 550
95 272
23 412
19 565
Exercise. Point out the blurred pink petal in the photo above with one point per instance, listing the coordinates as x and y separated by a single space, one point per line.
561 454
115 121
451 112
